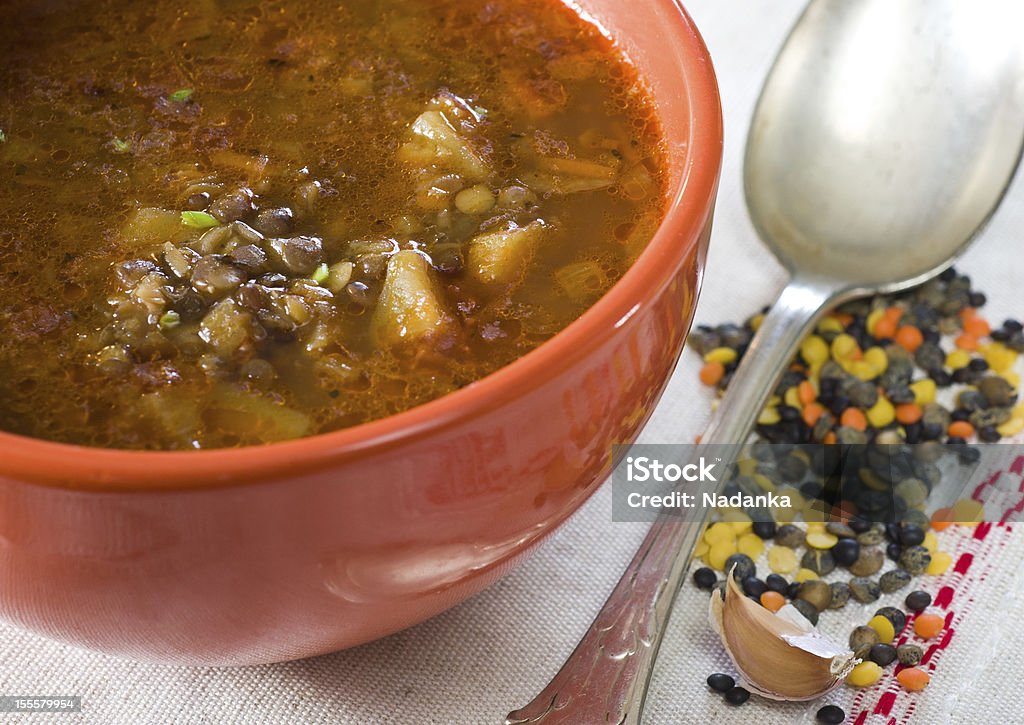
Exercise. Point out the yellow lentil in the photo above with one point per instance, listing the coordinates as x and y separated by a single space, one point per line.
724 355
769 416
747 466
1013 378
719 552
792 398
719 531
958 359
823 540
782 560
940 563
750 544
864 675
738 521
886 632
1000 358
931 542
861 369
843 346
873 319
756 321
1011 427
924 391
967 512
830 324
877 359
763 482
805 575
814 350
815 527
881 413
700 549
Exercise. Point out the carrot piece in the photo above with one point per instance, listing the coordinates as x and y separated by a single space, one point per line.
908 413
712 373
909 338
854 418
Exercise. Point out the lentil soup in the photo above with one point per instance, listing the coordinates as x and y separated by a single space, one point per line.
231 223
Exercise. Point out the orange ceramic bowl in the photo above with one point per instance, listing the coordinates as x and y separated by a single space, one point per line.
274 553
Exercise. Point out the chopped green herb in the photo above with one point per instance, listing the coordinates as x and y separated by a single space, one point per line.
321 274
121 146
169 320
181 95
199 220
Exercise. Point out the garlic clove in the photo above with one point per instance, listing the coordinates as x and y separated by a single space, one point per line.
780 656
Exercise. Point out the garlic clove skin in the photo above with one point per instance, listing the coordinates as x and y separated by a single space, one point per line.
779 656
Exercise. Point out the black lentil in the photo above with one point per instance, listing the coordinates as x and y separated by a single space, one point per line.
896 617
744 566
754 587
720 682
910 534
918 601
737 696
776 583
705 578
831 715
764 529
846 552
882 654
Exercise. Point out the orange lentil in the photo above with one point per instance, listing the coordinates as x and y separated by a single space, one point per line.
854 418
967 313
806 393
712 373
966 342
909 338
844 511
830 438
772 601
894 313
913 678
960 429
885 328
942 519
907 413
977 326
812 412
845 318
927 626
697 438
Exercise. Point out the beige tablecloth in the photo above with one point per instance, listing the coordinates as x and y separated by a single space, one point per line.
476 662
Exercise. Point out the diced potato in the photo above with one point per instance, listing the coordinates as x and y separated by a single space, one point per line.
410 308
437 140
150 225
226 327
503 257
176 415
582 280
254 417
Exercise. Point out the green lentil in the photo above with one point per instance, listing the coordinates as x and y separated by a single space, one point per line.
790 536
820 561
817 593
840 595
864 590
862 639
894 580
909 655
915 559
807 609
869 562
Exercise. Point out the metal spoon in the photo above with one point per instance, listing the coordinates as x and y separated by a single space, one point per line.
884 139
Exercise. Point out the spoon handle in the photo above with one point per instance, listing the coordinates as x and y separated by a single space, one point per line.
605 679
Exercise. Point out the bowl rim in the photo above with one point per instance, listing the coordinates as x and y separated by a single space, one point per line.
87 469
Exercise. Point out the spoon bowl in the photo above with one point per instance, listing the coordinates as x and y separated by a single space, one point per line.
885 137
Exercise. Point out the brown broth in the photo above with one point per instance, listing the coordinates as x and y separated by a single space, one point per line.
112 107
